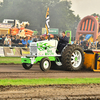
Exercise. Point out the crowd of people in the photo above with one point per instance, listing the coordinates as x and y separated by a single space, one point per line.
85 44
17 41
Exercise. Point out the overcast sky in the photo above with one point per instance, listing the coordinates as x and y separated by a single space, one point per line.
85 7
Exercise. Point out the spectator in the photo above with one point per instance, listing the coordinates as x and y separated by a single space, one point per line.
75 42
20 43
1 41
86 45
35 39
83 43
9 40
29 41
89 47
0 37
79 43
98 45
13 40
93 46
6 40
41 38
24 42
17 39
3 38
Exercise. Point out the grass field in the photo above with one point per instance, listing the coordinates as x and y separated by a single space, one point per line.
46 81
7 60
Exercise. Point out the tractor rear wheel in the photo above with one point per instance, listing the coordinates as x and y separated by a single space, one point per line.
72 57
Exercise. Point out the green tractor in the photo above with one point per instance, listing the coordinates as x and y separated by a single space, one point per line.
44 53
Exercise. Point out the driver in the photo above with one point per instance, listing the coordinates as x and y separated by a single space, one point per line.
63 41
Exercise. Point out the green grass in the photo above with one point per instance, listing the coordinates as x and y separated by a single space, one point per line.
7 60
47 81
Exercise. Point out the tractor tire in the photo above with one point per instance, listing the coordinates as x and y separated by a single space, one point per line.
45 64
72 58
27 66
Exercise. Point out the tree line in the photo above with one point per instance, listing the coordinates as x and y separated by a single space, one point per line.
61 15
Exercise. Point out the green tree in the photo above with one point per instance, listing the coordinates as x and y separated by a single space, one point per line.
63 17
34 11
94 14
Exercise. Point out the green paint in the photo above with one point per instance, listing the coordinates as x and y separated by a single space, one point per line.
76 58
49 52
26 60
38 59
43 46
57 59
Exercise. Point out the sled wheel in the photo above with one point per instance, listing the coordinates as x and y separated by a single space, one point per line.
45 64
73 58
27 66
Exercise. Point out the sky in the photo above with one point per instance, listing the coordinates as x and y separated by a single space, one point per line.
85 7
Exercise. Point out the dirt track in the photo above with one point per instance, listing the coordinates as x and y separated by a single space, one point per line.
17 71
55 92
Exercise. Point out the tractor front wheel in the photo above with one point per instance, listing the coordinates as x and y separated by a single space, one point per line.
27 66
45 64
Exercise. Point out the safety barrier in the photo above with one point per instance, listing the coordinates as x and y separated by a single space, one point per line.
13 51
